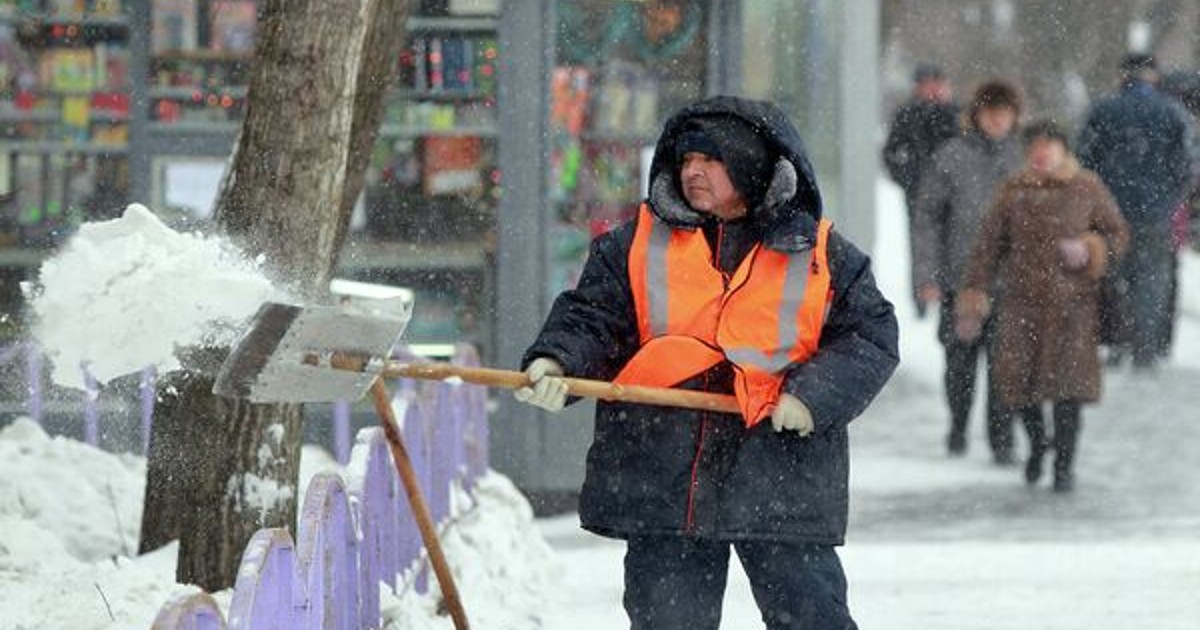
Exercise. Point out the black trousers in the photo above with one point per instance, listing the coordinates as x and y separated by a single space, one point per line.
1067 424
1146 272
962 368
675 582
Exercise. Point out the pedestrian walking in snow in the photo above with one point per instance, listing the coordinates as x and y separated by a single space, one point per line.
954 196
729 280
926 121
1051 236
1143 146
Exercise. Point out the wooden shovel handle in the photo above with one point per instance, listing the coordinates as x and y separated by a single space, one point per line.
416 501
587 388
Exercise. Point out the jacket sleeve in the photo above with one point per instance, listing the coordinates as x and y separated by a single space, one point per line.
592 329
898 151
989 246
1107 222
929 221
859 344
1187 160
1090 148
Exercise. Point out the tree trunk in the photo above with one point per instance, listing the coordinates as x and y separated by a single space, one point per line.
220 469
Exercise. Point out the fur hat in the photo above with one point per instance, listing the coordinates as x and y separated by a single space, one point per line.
746 153
1046 128
994 93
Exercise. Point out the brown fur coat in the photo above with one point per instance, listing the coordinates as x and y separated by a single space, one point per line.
1047 317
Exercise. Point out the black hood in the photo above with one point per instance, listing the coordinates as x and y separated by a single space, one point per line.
791 205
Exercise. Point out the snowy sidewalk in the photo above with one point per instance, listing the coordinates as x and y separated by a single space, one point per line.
939 543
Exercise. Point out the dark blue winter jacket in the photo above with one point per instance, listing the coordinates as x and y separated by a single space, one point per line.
659 470
1141 144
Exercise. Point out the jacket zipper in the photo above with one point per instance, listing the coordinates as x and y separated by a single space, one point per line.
690 523
716 263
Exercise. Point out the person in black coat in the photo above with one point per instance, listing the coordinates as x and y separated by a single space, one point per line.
681 486
1143 145
919 127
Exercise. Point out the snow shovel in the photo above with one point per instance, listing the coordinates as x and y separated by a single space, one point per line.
325 353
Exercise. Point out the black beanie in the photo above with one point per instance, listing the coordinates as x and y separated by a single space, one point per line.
744 151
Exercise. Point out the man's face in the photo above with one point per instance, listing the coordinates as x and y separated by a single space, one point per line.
933 90
996 122
707 187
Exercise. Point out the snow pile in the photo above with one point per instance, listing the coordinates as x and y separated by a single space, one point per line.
502 566
69 516
89 500
124 294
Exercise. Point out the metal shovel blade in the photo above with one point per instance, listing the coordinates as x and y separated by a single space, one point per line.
268 363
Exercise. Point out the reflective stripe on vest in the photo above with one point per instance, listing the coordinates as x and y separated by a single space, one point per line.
769 317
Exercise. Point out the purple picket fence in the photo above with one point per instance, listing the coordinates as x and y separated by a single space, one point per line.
357 536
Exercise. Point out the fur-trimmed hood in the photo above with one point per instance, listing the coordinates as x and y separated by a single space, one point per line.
791 207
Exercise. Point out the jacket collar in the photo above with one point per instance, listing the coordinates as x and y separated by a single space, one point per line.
1065 173
783 227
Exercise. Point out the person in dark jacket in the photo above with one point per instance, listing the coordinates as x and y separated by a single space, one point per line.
732 196
1142 145
918 128
954 198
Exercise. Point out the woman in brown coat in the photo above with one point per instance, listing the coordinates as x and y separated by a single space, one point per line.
1052 233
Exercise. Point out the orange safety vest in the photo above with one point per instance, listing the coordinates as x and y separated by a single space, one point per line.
769 317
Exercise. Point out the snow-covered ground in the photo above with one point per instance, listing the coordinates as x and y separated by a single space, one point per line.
933 542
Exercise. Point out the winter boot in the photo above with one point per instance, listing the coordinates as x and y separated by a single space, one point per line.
1035 428
1066 437
1000 437
956 443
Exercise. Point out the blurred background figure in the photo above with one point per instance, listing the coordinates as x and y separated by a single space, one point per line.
922 124
1051 236
953 197
1184 86
1141 143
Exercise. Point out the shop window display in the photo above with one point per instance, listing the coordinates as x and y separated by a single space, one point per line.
621 67
64 111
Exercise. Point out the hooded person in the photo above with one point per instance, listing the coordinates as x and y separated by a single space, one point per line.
954 196
729 280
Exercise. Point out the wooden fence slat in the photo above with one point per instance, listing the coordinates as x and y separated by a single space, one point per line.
190 611
441 432
328 555
268 594
416 439
373 488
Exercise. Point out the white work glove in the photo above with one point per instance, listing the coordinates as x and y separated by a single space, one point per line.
793 415
545 390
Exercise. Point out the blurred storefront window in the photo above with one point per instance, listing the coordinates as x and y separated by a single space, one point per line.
620 68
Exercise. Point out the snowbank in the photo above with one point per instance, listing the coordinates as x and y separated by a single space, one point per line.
89 501
124 294
69 519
